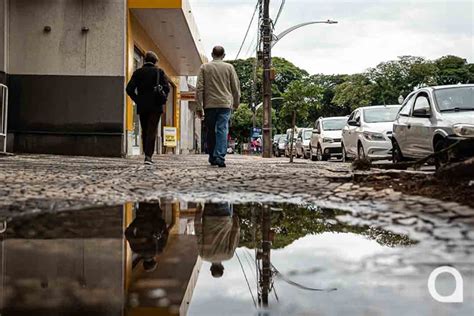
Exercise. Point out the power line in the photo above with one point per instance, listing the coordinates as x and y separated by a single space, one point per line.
248 29
246 280
279 12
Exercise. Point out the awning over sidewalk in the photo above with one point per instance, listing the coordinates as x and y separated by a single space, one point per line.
171 24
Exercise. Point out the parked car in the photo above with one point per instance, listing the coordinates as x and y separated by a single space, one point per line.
279 141
326 138
302 142
367 134
288 141
433 118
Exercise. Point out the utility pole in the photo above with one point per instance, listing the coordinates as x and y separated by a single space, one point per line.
267 84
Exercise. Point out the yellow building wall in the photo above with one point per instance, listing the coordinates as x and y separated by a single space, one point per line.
138 37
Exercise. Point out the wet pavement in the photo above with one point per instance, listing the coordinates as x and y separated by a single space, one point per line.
172 256
45 183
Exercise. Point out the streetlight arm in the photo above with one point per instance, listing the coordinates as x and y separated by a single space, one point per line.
278 37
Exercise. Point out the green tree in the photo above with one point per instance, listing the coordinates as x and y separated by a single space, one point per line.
299 98
453 70
285 73
400 77
241 123
355 92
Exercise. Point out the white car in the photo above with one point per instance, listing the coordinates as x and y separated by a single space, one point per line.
367 134
302 142
431 119
326 138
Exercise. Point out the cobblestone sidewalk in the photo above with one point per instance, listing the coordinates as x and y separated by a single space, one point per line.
34 183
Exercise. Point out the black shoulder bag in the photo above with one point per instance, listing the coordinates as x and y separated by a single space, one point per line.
160 95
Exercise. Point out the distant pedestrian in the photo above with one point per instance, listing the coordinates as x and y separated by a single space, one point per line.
149 88
218 92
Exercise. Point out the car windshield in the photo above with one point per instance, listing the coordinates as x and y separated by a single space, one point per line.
334 125
307 134
455 99
282 140
380 115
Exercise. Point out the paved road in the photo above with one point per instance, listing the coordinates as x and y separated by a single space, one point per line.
33 183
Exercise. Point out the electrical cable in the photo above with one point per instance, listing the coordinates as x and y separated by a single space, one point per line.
303 287
279 12
246 280
248 29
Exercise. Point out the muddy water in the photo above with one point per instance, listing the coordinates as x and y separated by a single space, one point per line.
172 257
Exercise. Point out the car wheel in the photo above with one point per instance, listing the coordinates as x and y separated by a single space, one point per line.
443 159
397 155
360 152
344 154
319 154
311 155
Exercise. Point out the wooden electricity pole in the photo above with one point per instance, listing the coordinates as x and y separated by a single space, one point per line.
267 84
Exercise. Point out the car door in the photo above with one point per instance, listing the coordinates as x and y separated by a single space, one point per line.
347 131
315 137
353 134
419 126
400 126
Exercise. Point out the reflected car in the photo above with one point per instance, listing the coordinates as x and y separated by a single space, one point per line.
368 132
302 143
326 138
433 118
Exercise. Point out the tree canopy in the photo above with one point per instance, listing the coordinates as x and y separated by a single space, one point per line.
312 96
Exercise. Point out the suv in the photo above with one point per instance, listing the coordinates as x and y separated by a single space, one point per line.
326 138
302 143
367 134
431 119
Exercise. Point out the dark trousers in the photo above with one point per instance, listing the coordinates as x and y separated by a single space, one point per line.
149 122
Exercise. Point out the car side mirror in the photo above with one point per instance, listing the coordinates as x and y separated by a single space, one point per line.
423 112
353 123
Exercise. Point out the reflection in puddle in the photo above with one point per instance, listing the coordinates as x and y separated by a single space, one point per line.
172 258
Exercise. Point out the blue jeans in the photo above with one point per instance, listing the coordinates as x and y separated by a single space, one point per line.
217 124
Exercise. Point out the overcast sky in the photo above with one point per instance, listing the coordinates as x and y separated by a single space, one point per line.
368 32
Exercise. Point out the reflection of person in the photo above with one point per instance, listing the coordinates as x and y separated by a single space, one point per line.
218 233
147 234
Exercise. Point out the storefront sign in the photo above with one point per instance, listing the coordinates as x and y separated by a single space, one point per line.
170 136
188 95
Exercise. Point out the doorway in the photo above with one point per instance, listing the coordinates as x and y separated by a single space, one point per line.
138 60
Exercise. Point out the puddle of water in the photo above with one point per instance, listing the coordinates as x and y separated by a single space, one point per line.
171 258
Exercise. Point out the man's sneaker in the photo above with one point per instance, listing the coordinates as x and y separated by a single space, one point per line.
148 161
221 165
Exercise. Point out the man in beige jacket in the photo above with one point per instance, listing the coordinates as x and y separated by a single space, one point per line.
218 92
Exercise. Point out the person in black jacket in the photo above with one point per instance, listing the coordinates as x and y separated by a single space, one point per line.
141 90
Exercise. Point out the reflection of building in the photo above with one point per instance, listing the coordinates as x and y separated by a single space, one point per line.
66 63
79 263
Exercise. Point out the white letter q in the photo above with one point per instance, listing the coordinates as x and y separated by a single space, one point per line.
457 296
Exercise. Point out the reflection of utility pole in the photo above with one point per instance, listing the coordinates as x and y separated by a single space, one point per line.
265 273
267 84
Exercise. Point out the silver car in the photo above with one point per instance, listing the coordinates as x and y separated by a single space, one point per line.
303 142
431 119
368 131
